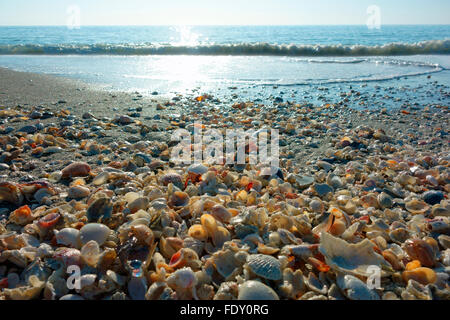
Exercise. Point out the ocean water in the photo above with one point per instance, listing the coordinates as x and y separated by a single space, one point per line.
256 61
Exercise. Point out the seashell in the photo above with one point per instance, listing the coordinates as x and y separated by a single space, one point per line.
220 236
78 192
10 192
22 216
68 256
399 235
72 297
198 169
416 206
29 292
221 213
255 290
355 289
100 208
76 169
392 258
143 234
140 203
42 195
194 244
422 275
418 249
94 231
49 221
137 288
416 291
68 237
315 284
90 253
182 279
169 246
350 258
173 178
209 223
384 200
185 257
265 266
198 232
280 221
179 199
101 179
317 206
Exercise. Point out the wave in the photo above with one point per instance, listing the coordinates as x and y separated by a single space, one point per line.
243 49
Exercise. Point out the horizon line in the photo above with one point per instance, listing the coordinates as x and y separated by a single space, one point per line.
225 25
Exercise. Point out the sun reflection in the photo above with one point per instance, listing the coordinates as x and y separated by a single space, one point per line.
186 36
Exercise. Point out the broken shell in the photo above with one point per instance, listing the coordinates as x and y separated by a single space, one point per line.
143 234
21 216
416 206
100 208
11 193
265 266
418 249
350 258
90 253
179 199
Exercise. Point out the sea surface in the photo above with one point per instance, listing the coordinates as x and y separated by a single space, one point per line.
311 63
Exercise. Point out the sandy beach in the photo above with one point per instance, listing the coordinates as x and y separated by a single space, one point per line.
87 180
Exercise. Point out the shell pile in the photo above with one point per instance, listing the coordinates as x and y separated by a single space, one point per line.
139 226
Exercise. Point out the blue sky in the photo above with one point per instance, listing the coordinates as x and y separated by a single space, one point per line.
223 12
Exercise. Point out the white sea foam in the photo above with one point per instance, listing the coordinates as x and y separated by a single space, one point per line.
242 49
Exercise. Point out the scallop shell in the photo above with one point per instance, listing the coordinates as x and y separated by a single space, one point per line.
265 266
350 258
255 290
94 231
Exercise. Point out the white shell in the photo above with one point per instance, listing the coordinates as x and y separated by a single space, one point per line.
94 231
255 290
350 258
68 237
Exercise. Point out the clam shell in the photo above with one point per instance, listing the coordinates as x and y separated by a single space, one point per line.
255 290
265 266
94 231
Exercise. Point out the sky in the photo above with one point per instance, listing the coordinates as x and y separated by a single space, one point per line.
222 12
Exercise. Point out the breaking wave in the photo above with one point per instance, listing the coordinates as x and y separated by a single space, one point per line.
243 49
